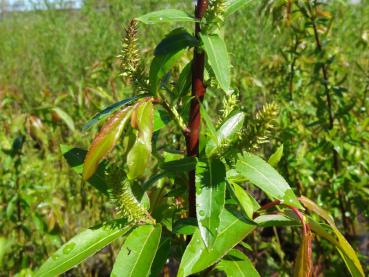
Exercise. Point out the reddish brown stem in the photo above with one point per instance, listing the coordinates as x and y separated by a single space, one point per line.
198 92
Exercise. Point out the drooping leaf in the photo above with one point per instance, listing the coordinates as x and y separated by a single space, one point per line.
168 15
82 246
160 66
75 158
105 141
348 254
138 252
183 165
111 109
304 262
210 198
65 117
226 133
139 156
176 40
218 59
161 257
184 82
237 264
264 176
248 204
234 5
197 257
276 156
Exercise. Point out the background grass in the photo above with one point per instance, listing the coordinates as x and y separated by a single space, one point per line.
67 59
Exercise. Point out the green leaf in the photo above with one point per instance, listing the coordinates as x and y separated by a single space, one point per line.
276 156
276 220
183 165
105 141
111 109
210 198
160 66
168 15
234 5
197 257
137 160
75 158
176 40
264 176
139 155
161 257
65 117
237 264
248 204
226 133
161 119
209 124
218 59
185 226
138 252
184 82
348 254
82 246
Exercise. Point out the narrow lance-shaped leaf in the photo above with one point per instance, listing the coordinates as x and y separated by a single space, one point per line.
138 157
168 15
345 249
264 176
304 262
82 246
184 82
232 229
111 109
218 59
105 141
138 252
65 117
183 165
226 133
237 264
248 204
160 66
276 156
175 41
161 257
210 198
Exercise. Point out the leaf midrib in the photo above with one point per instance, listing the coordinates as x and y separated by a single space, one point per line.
265 177
140 252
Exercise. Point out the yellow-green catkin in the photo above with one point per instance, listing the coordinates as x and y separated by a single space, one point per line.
215 15
229 105
259 129
129 206
130 62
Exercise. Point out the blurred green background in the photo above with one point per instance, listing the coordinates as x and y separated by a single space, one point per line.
58 67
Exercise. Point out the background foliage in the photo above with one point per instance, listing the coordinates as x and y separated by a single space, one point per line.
58 68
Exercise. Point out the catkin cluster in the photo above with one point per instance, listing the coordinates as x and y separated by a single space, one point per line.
131 66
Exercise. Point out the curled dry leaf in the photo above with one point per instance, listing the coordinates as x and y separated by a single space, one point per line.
105 141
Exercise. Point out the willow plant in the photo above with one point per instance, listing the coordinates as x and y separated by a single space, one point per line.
187 201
